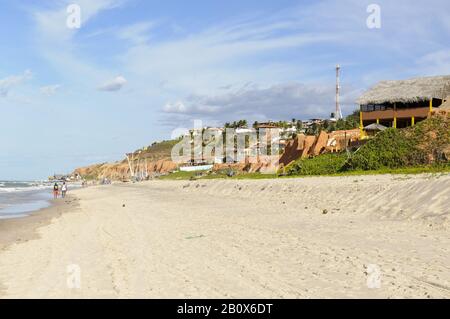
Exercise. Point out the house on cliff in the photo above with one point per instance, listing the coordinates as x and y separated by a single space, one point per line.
403 103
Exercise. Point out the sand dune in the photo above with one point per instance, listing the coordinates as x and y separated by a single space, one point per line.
286 238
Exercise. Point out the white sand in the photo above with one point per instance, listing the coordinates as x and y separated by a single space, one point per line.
239 239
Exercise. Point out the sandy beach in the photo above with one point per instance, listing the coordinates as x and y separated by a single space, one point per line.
285 238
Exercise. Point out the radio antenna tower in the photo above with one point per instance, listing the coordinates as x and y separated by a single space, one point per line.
338 114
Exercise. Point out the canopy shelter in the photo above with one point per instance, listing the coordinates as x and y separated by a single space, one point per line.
375 127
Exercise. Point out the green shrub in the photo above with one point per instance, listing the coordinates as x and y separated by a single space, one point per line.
422 144
387 149
325 164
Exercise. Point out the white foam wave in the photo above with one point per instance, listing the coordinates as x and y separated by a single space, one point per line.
23 189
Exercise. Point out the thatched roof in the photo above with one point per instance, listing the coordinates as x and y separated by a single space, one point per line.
407 91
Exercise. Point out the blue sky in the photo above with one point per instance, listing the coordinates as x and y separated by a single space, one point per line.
136 70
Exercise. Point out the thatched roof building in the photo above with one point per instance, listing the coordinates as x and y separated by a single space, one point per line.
407 91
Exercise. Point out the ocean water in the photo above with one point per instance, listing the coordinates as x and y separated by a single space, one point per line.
18 199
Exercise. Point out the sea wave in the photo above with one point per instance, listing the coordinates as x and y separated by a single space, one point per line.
12 187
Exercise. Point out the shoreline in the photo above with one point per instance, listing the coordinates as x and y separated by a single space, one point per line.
285 238
19 201
19 230
23 229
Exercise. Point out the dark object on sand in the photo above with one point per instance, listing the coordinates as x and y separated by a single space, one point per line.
231 173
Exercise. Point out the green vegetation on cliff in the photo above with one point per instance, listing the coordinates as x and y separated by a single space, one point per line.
157 151
423 144
325 164
421 148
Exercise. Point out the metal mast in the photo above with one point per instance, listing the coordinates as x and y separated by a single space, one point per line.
338 114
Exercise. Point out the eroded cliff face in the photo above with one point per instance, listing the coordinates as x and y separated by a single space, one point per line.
120 171
148 161
304 146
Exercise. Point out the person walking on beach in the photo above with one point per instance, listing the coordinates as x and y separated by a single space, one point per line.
63 190
55 191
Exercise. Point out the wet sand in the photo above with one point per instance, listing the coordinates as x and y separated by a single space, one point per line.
24 229
18 230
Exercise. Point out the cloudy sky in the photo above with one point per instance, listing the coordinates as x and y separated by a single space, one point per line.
137 69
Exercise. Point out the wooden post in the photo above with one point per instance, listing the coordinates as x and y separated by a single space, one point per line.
130 164
146 169
361 123
395 115
431 106
346 146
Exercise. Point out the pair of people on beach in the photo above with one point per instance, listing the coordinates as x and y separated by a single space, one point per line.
56 190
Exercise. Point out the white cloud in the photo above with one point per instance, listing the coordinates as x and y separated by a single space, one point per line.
113 85
136 33
276 102
12 81
52 25
313 35
435 63
177 107
225 54
55 41
272 52
50 90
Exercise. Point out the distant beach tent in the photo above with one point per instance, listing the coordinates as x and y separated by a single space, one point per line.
375 127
